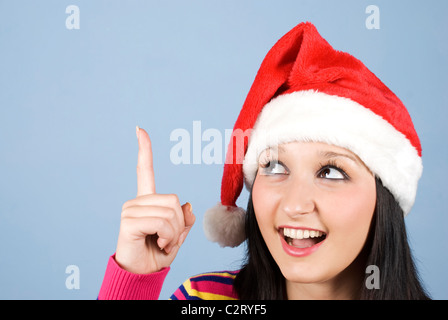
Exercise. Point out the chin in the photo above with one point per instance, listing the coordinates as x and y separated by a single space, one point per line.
303 272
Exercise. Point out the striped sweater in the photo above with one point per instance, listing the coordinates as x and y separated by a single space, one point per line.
119 284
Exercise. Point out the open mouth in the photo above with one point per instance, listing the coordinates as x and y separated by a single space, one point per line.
303 238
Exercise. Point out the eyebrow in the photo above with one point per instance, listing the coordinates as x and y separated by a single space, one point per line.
332 154
327 154
276 148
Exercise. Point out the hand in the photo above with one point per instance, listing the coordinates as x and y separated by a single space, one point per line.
153 226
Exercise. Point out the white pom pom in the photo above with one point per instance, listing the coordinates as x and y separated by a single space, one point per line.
225 225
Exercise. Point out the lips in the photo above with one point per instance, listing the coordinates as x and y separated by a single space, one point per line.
300 242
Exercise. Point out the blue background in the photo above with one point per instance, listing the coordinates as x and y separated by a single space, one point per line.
70 101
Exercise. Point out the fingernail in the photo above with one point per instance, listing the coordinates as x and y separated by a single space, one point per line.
137 129
190 207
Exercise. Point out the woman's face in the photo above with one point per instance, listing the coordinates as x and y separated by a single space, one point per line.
314 203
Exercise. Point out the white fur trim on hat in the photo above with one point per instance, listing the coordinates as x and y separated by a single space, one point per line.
225 225
316 116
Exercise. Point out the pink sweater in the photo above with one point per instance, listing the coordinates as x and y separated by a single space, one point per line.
119 284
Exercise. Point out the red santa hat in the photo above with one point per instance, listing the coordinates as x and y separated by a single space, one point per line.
307 91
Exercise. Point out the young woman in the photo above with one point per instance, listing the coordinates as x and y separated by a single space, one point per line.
332 162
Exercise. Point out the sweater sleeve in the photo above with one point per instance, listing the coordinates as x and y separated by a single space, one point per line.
119 284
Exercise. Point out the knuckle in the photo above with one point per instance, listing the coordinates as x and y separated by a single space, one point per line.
143 168
125 223
163 224
170 214
170 220
128 210
124 212
126 205
140 167
174 199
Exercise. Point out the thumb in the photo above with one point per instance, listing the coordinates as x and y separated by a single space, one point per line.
189 219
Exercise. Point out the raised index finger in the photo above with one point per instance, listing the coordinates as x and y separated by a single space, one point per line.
145 170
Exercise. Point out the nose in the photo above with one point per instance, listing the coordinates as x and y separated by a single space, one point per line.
298 198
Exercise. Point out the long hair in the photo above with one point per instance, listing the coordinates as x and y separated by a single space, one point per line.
386 247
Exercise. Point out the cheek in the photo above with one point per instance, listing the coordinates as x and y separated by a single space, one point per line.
265 207
355 206
262 206
349 217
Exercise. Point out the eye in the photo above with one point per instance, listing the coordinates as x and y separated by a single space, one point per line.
332 173
273 167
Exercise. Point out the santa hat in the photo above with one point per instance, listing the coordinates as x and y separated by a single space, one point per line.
307 91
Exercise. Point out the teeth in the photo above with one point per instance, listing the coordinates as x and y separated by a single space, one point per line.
301 234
